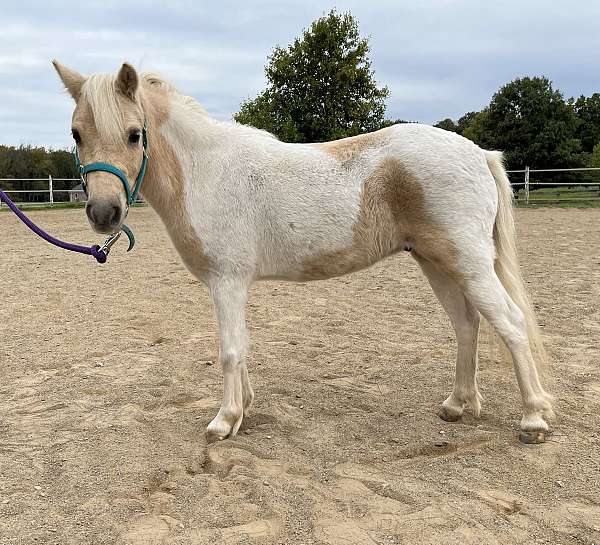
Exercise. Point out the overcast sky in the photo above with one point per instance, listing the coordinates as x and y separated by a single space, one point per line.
439 58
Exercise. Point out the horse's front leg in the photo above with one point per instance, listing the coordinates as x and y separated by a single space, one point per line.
229 297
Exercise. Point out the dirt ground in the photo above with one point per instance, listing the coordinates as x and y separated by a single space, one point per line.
108 380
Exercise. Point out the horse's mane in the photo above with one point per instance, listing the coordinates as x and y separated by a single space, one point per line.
99 92
154 80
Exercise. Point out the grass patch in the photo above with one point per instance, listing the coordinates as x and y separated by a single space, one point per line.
561 197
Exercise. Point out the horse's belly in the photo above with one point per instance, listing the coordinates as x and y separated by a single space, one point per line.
327 258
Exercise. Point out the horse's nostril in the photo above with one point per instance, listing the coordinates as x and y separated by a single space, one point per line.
116 213
89 210
103 215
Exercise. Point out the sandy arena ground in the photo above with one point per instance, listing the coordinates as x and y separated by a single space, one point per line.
108 379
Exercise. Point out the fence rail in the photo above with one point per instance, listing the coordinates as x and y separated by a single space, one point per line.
73 195
589 191
593 188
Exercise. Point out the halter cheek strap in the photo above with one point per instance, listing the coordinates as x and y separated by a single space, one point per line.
129 193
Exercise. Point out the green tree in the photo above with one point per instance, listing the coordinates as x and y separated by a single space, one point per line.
447 124
595 156
321 87
465 121
459 126
63 164
389 122
587 110
36 162
531 122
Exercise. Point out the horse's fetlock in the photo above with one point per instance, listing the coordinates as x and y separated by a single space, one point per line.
230 358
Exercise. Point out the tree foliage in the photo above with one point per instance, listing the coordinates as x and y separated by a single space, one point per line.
447 124
36 162
595 156
531 122
587 110
321 87
463 122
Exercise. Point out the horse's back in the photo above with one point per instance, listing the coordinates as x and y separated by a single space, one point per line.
320 210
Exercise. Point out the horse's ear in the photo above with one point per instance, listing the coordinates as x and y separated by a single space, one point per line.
127 80
71 79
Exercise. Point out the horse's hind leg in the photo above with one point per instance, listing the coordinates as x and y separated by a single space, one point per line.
485 291
465 320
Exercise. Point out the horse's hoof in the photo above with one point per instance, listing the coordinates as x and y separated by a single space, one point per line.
217 432
448 416
532 437
212 437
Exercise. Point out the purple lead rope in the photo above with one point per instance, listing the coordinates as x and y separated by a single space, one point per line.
94 251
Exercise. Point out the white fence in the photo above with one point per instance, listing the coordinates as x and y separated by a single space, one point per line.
73 195
582 191
588 191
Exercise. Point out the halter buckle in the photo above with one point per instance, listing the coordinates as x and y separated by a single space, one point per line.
84 185
108 243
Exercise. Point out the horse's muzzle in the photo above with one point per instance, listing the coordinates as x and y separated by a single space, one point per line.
105 215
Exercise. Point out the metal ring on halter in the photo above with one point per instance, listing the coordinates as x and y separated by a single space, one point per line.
108 243
83 182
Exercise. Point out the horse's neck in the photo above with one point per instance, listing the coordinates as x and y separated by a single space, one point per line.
183 146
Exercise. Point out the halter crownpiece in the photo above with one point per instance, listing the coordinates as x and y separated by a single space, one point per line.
130 194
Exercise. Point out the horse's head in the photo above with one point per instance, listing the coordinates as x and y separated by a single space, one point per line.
107 127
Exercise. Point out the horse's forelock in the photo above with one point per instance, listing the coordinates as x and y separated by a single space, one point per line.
99 92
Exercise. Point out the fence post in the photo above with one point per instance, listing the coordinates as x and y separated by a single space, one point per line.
50 190
527 185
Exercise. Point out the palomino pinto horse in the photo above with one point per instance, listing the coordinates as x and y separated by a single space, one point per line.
240 206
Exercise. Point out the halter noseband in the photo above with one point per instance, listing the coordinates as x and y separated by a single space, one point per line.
130 194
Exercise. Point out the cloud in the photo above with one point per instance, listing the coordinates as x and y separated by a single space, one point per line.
439 58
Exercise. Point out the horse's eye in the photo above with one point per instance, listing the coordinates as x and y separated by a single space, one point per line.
134 137
76 136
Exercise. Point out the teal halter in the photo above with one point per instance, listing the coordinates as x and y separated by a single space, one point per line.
130 194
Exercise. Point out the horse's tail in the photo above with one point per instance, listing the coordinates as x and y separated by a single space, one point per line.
507 261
